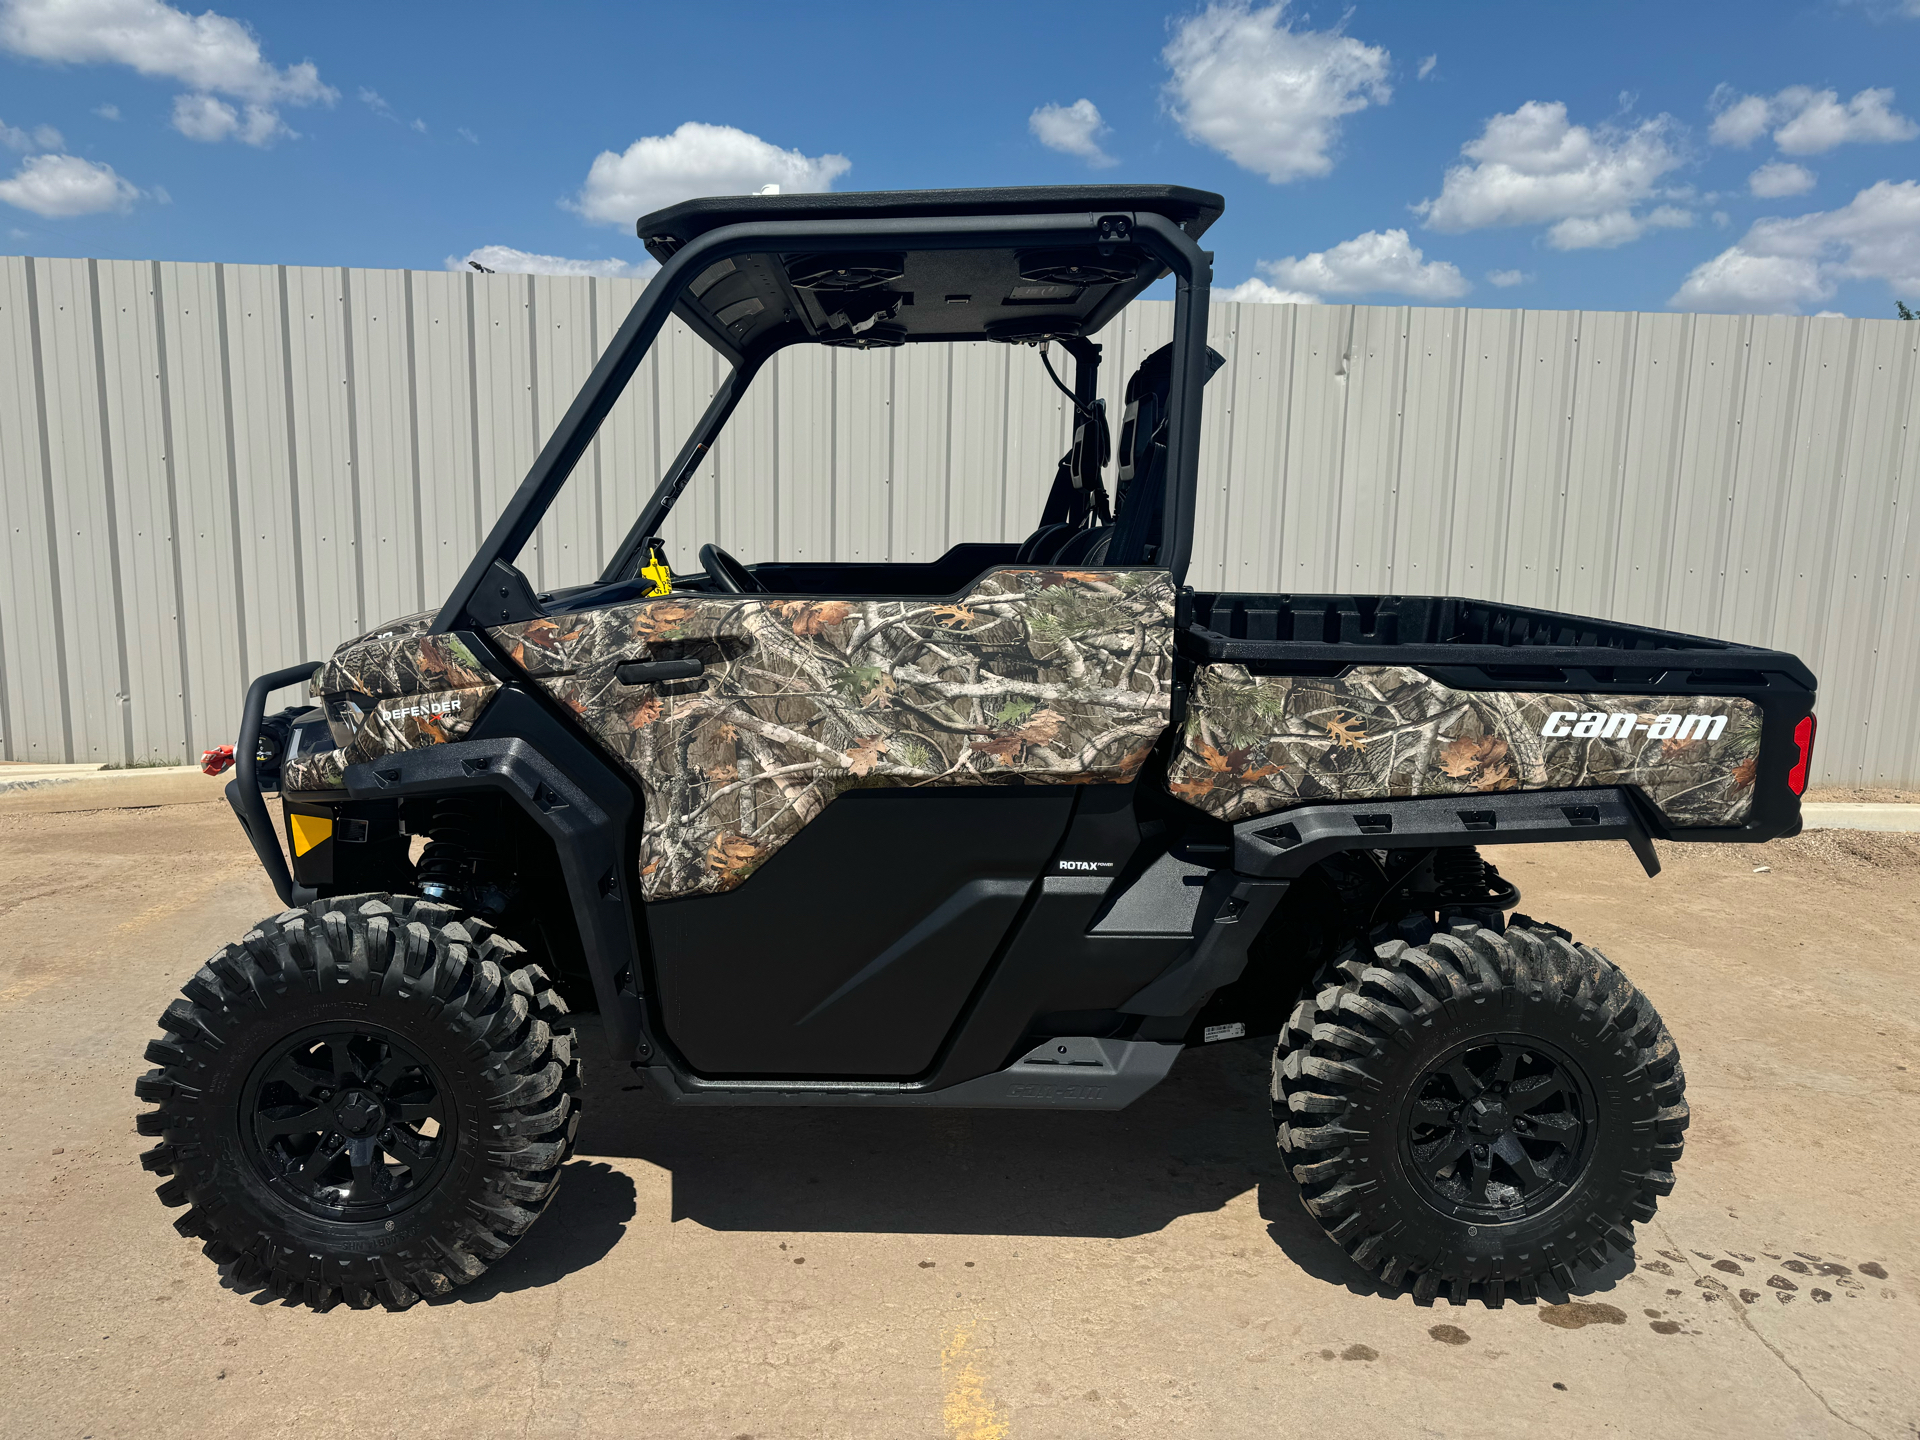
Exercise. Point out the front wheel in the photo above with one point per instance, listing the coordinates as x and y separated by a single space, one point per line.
369 1098
1486 1110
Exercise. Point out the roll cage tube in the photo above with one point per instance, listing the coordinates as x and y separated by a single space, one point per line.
627 560
1159 236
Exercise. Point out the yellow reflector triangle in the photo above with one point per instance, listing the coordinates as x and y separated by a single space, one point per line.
309 831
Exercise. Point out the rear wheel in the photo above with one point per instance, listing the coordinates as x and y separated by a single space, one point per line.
366 1099
1486 1111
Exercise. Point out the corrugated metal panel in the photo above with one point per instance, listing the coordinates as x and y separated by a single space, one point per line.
32 630
78 514
210 470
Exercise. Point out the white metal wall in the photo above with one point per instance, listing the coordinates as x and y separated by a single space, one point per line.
207 471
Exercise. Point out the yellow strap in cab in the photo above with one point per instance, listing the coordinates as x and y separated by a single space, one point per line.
656 571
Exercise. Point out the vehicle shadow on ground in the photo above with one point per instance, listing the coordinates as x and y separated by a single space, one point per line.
587 1218
1190 1146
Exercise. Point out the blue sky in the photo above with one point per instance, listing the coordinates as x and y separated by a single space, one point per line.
1751 156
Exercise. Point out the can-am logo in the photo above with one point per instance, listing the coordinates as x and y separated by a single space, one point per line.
1623 725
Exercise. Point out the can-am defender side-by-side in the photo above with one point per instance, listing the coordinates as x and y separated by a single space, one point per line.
1011 827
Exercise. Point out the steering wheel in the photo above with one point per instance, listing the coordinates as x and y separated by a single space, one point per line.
727 573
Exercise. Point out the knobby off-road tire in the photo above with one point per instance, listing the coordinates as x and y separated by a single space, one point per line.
367 1098
1393 1069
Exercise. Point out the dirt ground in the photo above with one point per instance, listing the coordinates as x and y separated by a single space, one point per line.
765 1273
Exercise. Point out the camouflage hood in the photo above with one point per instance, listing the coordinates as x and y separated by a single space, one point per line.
394 689
398 658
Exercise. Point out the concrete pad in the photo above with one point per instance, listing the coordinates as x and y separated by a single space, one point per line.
1147 1273
1860 817
48 790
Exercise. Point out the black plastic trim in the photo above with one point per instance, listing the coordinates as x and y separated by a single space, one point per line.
571 794
1130 1069
1287 844
1232 912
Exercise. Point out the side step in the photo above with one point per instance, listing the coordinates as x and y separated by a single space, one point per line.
1069 1073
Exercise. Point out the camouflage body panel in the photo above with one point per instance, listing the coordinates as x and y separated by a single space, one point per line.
400 689
398 659
1252 744
1048 676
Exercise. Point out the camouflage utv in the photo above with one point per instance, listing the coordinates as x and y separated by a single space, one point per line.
1013 827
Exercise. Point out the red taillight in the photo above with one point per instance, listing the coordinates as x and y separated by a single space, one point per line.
1804 742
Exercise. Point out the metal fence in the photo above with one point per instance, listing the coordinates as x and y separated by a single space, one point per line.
207 471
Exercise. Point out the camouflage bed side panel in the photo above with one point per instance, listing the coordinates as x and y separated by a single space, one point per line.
1254 744
402 690
1042 676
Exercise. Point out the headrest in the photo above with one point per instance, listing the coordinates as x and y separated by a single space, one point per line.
1146 401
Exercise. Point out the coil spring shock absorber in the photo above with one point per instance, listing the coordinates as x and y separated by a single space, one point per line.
1463 879
462 863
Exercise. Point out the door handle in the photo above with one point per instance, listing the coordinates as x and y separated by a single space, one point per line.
649 672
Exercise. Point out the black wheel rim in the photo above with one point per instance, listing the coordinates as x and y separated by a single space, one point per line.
348 1123
1498 1130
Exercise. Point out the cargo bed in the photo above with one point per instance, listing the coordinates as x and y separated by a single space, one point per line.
1282 643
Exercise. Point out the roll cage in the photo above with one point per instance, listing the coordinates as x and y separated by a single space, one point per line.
1154 228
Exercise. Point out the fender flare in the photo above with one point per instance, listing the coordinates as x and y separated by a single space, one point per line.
583 805
1285 845
1272 851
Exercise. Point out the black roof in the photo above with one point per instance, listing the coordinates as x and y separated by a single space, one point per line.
665 231
760 302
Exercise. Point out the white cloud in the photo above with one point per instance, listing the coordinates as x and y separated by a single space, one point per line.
41 137
1720 219
59 186
697 159
1506 278
1428 62
472 139
1617 227
1595 232
1823 123
1806 121
210 54
1532 167
1778 178
107 112
377 103
202 117
1376 261
204 52
1259 291
1785 265
1073 130
1268 96
505 260
1740 121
